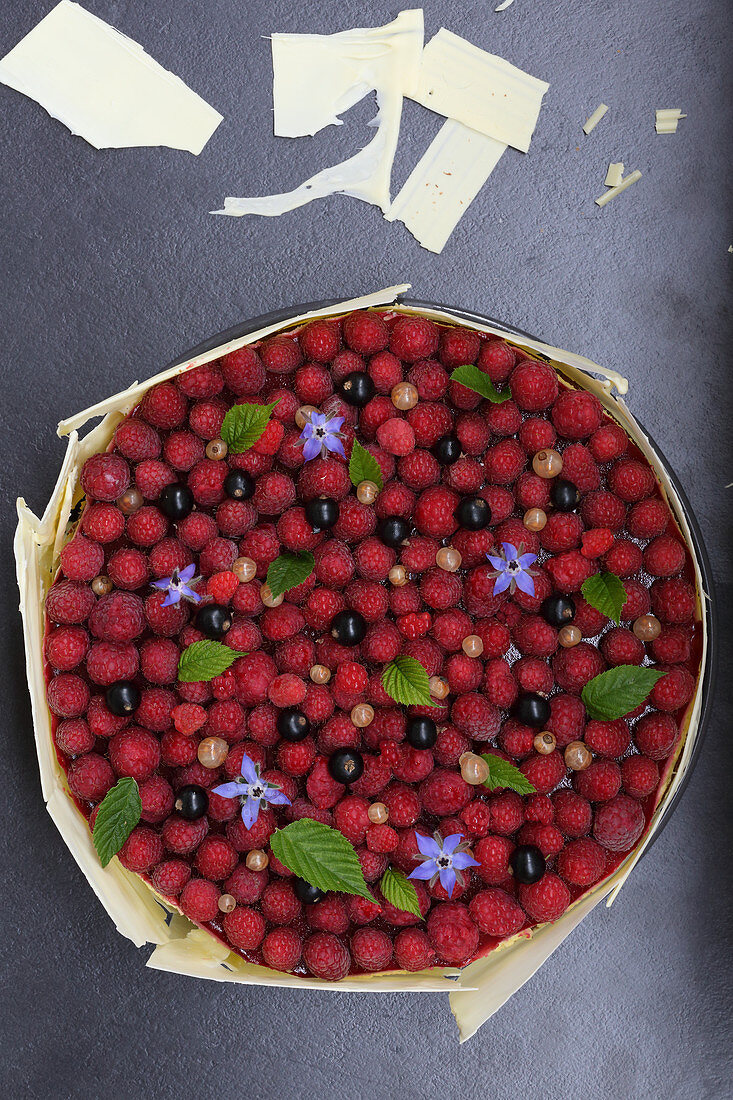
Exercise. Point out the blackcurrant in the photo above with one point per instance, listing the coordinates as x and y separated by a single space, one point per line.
422 732
392 530
239 485
357 388
473 513
532 709
527 863
564 495
321 512
192 802
176 501
447 450
213 620
558 610
292 724
308 894
345 765
122 698
348 628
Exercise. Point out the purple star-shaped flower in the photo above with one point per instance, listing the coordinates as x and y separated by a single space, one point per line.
321 435
444 860
178 586
253 790
512 571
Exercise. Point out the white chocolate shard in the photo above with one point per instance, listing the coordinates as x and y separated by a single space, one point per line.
618 190
615 174
504 5
104 87
666 120
444 183
595 118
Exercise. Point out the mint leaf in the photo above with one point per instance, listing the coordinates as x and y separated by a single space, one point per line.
400 892
613 693
605 592
320 855
118 814
364 466
504 774
478 381
288 570
243 425
205 660
406 681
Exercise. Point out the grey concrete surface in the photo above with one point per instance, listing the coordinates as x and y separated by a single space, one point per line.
111 265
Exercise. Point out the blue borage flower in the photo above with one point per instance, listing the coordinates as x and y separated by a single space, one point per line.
512 571
178 586
253 791
321 435
444 860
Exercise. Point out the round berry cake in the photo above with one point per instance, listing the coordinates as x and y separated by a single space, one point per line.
372 644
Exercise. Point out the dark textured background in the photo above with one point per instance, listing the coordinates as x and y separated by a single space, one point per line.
111 266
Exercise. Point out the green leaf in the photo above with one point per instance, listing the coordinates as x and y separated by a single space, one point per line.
243 425
398 890
504 774
605 592
288 570
364 466
615 692
205 660
118 814
406 681
478 381
320 855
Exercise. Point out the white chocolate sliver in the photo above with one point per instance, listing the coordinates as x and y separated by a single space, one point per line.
666 120
318 76
444 183
104 87
479 89
504 5
595 118
615 174
614 191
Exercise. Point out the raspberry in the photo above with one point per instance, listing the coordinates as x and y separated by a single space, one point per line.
66 647
355 521
329 915
323 477
159 660
497 358
199 900
495 637
619 823
243 371
320 341
663 557
385 371
639 776
108 661
245 886
444 792
136 440
201 382
152 476
334 563
90 777
374 560
638 600
582 862
596 542
535 637
569 570
403 805
539 810
413 338
672 646
128 568
206 417
350 816
499 684
492 853
102 522
536 435
450 628
673 601
147 526
274 493
170 877
504 462
365 333
504 419
74 737
134 752
516 740
673 691
215 858
620 647
452 933
473 433
105 476
164 406
496 913
532 674
156 795
647 518
117 617
602 509
624 558
102 722
81 559
142 850
183 837
280 354
412 950
196 530
395 500
206 482
281 949
371 949
534 385
396 436
429 379
465 476
577 414
608 738
608 443
655 735
545 900
573 813
429 421
599 782
574 667
506 813
534 492
475 716
381 839
459 346
326 957
165 621
419 470
268 443
580 468
544 772
439 589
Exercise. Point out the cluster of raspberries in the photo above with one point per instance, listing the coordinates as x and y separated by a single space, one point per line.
581 821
